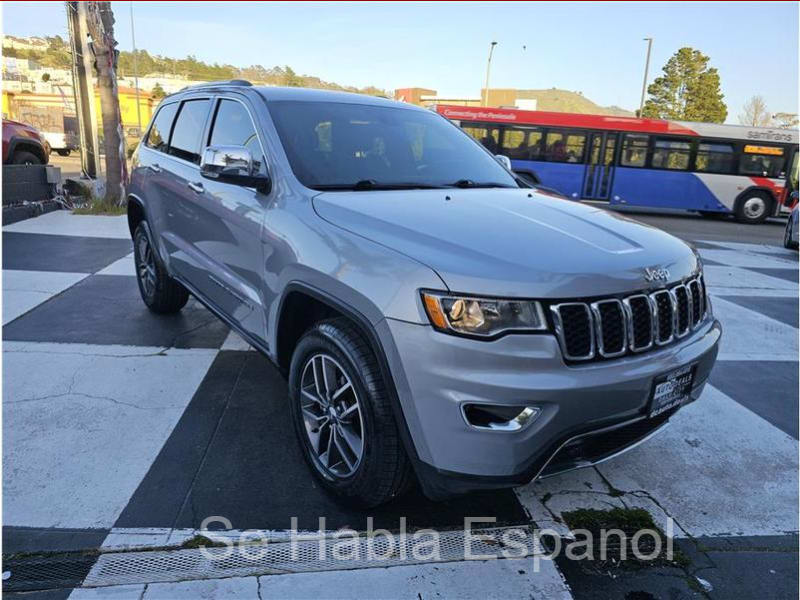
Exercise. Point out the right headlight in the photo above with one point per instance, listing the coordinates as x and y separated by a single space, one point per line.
483 317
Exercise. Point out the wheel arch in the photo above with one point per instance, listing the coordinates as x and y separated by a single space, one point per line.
760 190
287 334
24 144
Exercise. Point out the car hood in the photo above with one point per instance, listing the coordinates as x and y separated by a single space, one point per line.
512 242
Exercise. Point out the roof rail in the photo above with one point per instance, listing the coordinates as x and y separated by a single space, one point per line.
209 84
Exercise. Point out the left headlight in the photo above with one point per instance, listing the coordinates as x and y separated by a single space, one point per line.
484 317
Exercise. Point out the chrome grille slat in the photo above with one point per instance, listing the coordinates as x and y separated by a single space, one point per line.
588 330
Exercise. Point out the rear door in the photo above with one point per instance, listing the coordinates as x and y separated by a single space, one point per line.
599 175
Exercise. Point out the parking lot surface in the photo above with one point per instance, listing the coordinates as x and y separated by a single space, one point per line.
125 427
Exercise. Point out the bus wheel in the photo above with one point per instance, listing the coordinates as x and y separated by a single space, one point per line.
753 208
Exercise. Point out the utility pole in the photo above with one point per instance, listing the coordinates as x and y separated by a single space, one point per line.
83 88
488 67
136 74
646 68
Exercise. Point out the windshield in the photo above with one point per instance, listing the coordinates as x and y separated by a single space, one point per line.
334 146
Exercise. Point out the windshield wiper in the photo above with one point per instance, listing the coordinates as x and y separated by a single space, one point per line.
468 183
371 184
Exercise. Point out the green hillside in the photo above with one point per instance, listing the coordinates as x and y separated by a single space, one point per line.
572 102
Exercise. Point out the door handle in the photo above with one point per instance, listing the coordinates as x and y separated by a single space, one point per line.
154 168
196 187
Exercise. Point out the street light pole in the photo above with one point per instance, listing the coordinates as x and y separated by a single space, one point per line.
136 74
646 68
488 67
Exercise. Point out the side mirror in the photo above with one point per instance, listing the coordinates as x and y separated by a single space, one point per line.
503 160
235 165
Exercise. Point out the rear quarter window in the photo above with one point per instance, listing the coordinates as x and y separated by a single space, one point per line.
158 137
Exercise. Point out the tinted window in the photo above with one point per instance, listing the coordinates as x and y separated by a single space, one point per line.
234 127
340 144
671 154
634 150
522 143
564 147
488 136
188 132
158 138
715 158
762 161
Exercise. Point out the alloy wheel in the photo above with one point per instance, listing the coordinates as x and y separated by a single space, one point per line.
332 416
147 265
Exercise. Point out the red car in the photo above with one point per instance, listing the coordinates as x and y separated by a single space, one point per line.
23 145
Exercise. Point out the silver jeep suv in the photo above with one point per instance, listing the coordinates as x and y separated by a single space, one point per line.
434 316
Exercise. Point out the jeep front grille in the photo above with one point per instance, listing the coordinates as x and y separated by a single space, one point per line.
612 327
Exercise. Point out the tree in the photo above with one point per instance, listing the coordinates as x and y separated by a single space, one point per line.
45 77
100 23
755 113
786 120
689 90
158 91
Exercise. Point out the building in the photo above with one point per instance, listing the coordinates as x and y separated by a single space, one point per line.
497 98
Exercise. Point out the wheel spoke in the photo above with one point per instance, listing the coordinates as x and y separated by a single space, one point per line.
341 390
312 397
353 441
319 383
345 414
325 457
342 451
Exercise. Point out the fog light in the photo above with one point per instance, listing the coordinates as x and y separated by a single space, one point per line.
499 418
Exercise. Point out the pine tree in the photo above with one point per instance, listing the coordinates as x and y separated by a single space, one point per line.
689 90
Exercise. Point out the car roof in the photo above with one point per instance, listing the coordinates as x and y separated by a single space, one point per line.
297 94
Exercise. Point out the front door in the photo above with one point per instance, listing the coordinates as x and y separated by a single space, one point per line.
599 174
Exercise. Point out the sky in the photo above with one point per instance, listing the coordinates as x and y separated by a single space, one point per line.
594 48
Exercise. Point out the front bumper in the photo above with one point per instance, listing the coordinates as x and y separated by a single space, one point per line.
436 373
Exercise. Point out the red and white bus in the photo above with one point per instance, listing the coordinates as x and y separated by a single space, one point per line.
708 168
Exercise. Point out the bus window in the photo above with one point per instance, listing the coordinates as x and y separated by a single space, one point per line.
490 138
634 150
564 147
762 161
714 158
522 143
671 154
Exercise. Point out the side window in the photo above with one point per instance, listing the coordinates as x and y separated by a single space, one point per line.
714 158
522 143
634 150
762 161
188 131
234 127
671 154
564 147
158 137
489 137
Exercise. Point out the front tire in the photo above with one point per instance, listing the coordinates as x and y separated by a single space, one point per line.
787 235
343 417
160 292
753 208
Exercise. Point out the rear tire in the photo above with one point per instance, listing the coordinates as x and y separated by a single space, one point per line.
160 292
379 469
62 152
25 158
753 208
